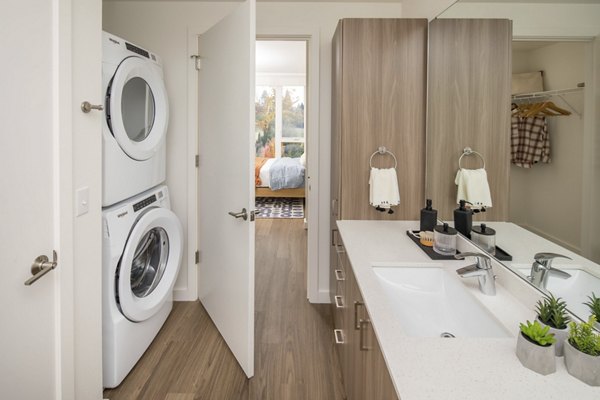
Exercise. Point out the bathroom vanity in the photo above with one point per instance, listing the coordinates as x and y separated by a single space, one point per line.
409 327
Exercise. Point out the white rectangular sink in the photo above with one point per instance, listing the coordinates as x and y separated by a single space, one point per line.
430 302
574 290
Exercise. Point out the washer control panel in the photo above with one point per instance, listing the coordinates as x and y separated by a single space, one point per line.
144 203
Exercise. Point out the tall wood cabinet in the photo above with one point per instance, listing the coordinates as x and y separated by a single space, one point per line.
469 106
379 77
378 99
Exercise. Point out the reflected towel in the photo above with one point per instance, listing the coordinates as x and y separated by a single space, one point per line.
473 187
383 188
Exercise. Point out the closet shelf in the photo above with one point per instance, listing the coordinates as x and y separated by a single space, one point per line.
550 93
547 93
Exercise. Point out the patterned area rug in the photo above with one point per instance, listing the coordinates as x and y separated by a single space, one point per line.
280 207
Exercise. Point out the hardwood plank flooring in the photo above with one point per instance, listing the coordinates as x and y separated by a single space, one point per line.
294 354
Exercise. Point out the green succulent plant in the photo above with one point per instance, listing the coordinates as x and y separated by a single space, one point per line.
583 337
553 311
594 305
538 333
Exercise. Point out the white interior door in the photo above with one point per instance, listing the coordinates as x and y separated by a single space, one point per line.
29 338
226 184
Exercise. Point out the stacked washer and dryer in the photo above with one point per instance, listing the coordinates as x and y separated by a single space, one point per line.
142 237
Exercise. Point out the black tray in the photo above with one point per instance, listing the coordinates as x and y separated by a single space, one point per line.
429 250
502 255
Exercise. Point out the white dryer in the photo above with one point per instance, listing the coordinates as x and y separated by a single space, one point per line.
142 249
136 111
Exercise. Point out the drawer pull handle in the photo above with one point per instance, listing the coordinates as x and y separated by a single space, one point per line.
339 336
356 320
363 325
339 301
339 275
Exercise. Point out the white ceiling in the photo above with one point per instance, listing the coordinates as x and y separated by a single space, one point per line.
518 45
280 57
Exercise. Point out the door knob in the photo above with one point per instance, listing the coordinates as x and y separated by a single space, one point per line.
86 107
243 214
41 266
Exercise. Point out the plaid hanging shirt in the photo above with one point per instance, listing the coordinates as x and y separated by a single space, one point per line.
530 142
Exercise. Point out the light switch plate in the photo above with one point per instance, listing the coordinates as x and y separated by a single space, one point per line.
82 201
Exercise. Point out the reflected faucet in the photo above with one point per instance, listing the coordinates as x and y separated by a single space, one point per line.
542 267
482 269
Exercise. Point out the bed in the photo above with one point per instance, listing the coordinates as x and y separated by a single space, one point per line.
279 177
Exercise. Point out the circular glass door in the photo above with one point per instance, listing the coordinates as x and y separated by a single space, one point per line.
138 111
137 106
149 264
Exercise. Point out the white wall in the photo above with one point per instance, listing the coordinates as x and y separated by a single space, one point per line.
163 27
547 198
535 20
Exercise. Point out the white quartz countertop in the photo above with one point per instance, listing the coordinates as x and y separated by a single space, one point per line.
459 368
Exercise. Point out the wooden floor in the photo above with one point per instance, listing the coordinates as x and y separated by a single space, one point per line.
295 358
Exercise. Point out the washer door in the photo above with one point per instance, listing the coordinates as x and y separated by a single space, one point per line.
138 111
149 264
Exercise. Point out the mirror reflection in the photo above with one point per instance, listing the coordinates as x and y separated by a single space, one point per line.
553 191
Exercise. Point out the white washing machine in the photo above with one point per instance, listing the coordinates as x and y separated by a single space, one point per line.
142 249
136 111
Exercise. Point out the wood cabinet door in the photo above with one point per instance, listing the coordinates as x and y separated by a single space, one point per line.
378 383
469 106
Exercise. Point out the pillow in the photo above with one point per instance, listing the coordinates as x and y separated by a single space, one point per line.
303 159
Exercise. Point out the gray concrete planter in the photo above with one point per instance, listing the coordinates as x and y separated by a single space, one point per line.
582 366
560 335
540 359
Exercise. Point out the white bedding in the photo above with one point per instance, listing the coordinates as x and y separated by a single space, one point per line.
264 174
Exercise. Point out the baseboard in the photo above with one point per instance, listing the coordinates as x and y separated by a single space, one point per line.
322 298
183 294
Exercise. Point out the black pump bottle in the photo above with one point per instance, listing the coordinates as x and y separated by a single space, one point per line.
463 219
428 217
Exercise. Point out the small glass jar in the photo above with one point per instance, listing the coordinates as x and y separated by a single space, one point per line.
444 240
485 238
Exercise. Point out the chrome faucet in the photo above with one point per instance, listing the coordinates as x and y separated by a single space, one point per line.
482 269
542 267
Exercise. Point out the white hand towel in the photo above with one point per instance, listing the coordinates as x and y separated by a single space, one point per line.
383 188
473 187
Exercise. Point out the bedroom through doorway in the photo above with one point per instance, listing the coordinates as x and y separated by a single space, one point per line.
281 135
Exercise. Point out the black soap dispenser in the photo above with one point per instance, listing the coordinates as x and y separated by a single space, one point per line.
428 217
463 219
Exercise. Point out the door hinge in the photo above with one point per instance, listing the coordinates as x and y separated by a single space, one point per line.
197 61
197 257
197 160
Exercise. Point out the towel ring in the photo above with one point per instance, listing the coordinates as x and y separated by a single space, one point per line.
382 151
467 151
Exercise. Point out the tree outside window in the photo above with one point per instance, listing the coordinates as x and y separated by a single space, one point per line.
280 120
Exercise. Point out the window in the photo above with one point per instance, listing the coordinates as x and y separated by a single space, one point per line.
280 121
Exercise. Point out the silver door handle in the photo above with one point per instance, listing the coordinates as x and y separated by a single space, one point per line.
243 214
86 107
40 267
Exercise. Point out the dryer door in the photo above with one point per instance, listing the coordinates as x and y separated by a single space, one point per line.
138 108
149 264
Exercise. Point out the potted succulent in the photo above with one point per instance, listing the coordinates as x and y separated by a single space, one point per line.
552 312
535 348
594 305
582 352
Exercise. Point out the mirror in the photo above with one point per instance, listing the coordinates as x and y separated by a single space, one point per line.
552 200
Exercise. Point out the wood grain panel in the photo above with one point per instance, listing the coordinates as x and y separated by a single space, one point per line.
383 68
469 105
